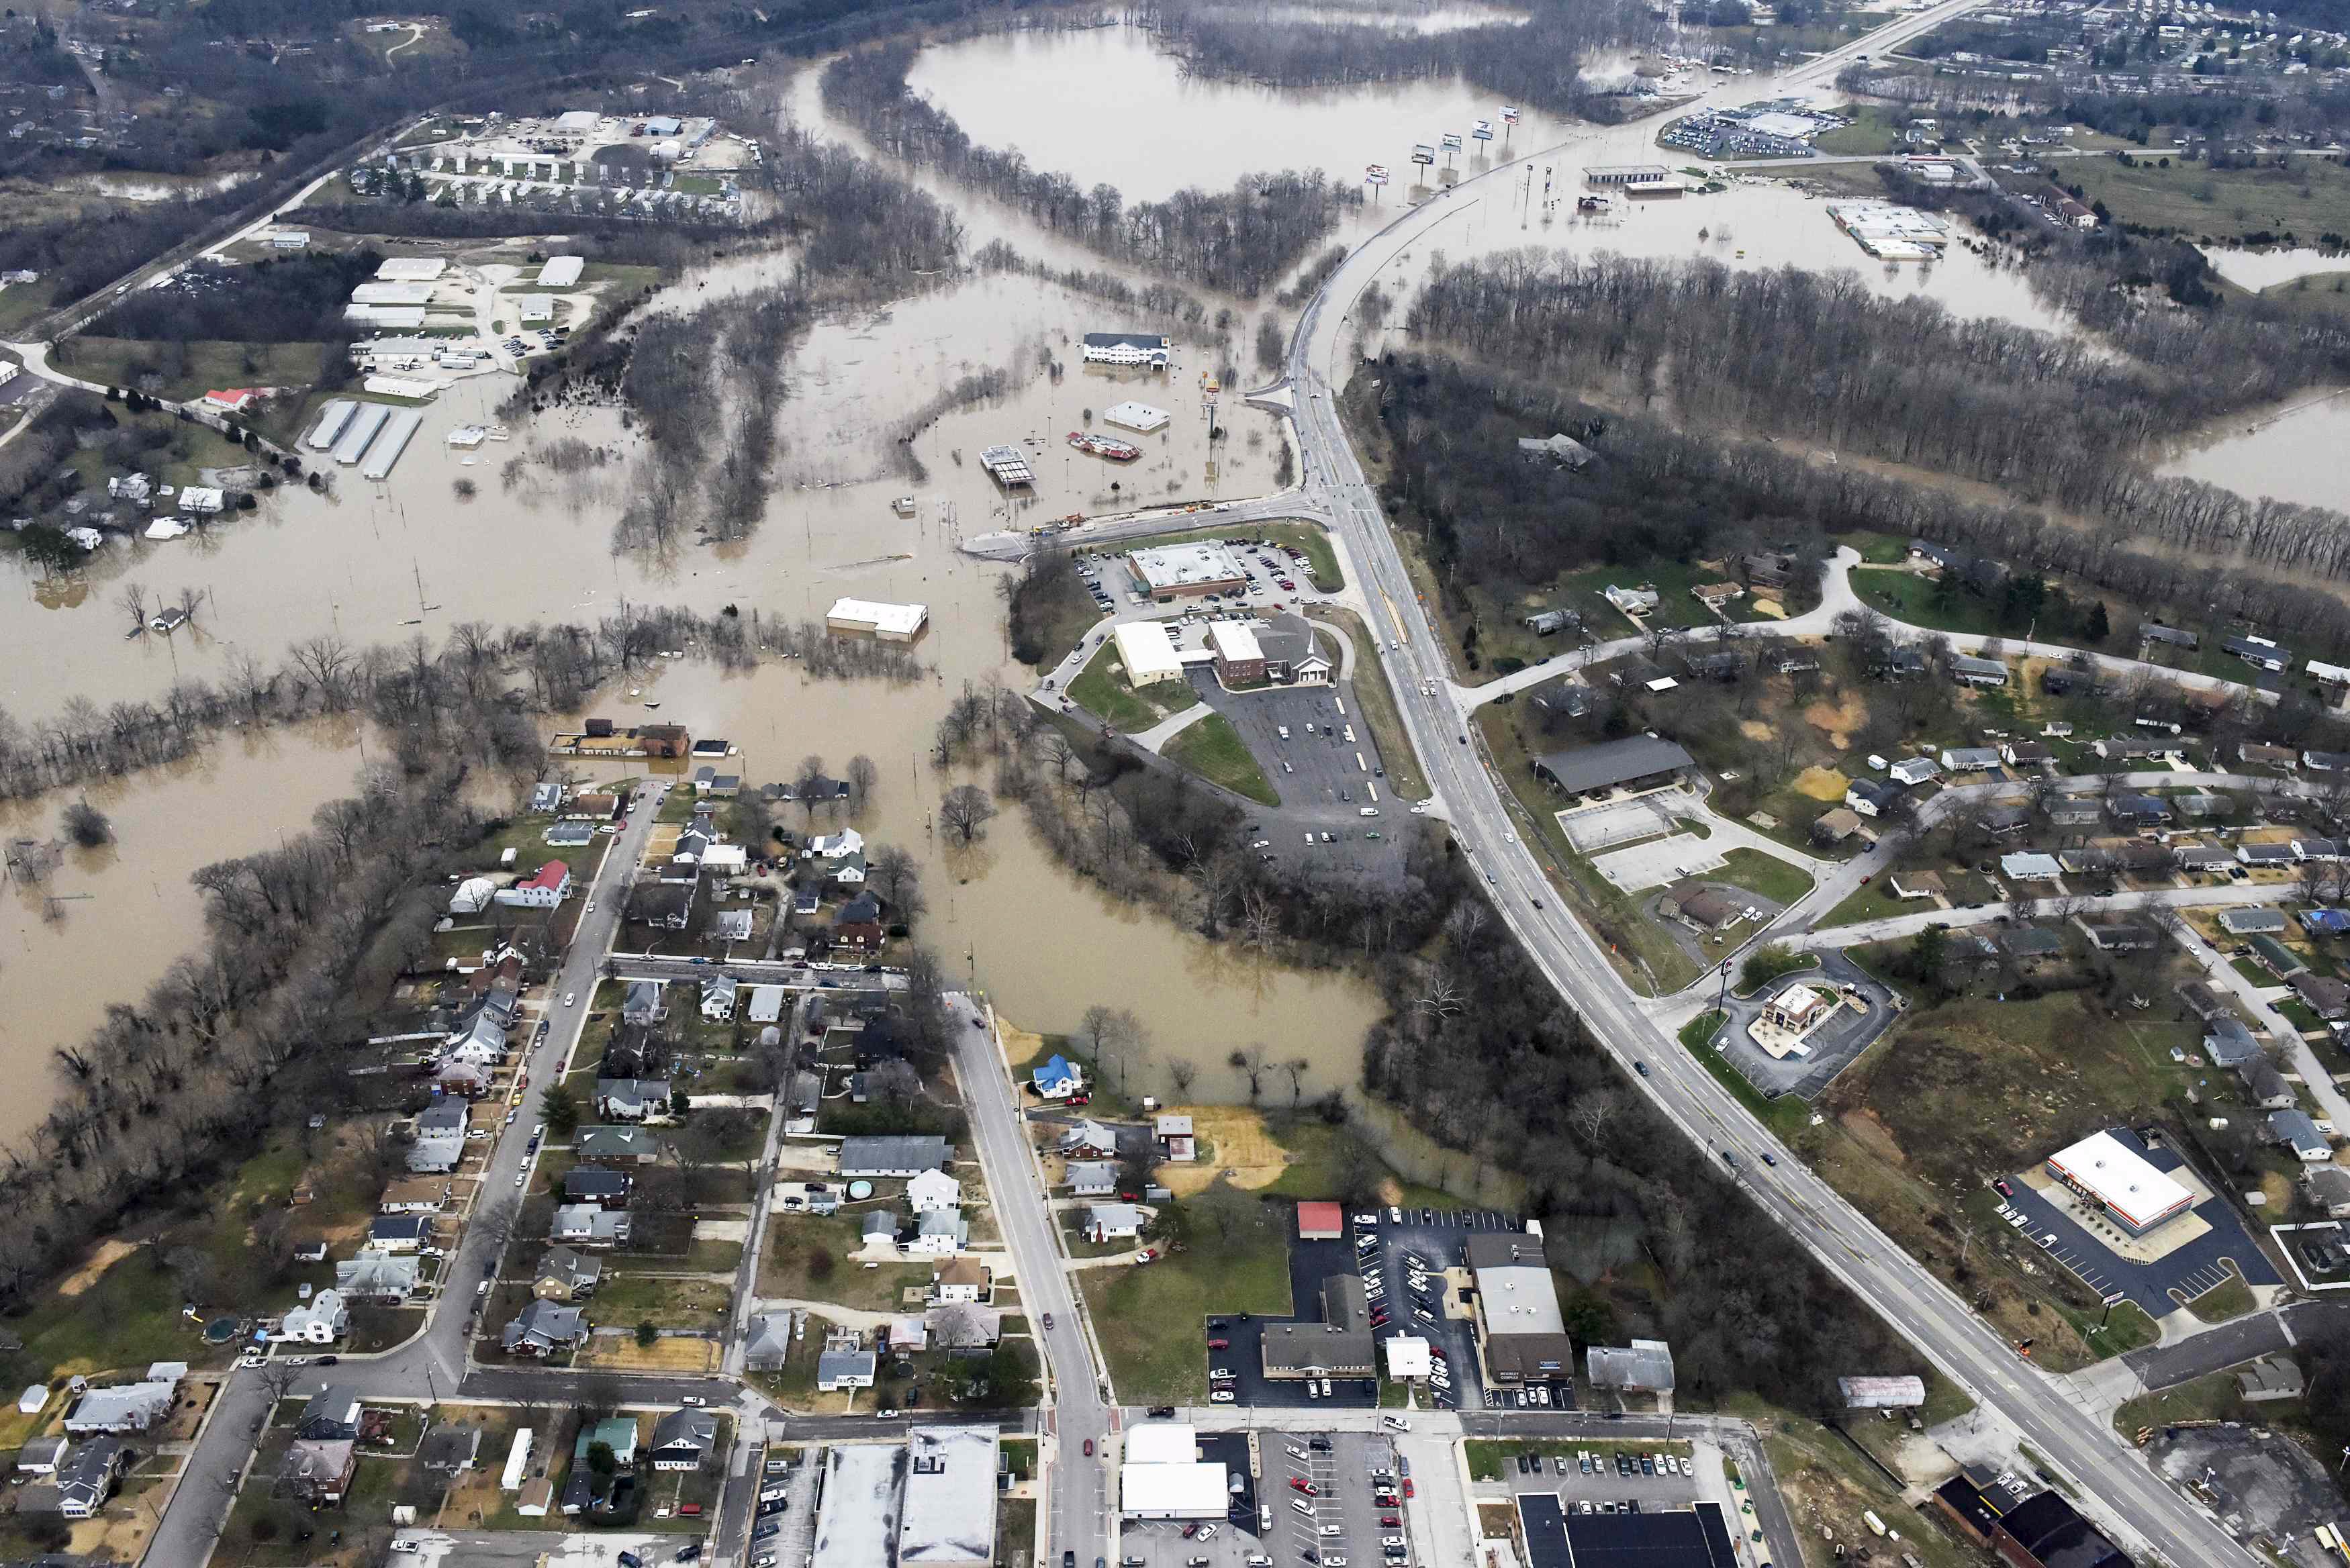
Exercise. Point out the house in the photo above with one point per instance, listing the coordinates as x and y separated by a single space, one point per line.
1563 450
566 1274
964 1281
468 1079
2295 1130
618 1433
333 1414
2316 851
544 1328
2265 1088
1089 1137
542 889
1873 797
2170 636
2276 958
844 1369
593 1184
2025 754
2257 651
878 1230
1634 602
718 998
1175 1139
1550 622
321 1320
2229 1042
664 905
1113 1222
732 926
2265 856
2251 920
1968 670
2324 922
2029 942
616 1145
935 1191
1057 1079
2030 867
2328 1186
1910 771
1916 884
85 1478
859 924
899 1154
397 1233
2322 994
1969 759
2074 811
42 1456
1903 663
1645 1366
642 1002
631 1099
963 1327
2201 804
379 1278
440 1138
587 1225
2138 810
451 1450
2259 753
418 1195
906 1335
940 1233
2119 937
768 1341
2202 1001
1700 908
682 1439
1092 1178
2325 762
318 1473
2208 859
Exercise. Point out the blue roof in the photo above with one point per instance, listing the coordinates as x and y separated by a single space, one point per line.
2325 920
1057 1070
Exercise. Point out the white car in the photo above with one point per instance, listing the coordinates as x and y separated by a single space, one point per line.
1207 1533
252 1358
521 1177
1221 1396
569 997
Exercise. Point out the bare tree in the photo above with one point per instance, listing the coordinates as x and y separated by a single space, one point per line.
805 782
1296 1067
965 811
1181 1075
862 776
1251 1063
132 601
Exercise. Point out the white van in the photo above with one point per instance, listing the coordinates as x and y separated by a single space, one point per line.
1284 731
1300 1505
1394 1422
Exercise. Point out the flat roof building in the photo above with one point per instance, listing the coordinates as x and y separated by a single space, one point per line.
412 269
1126 348
948 1516
2107 1169
856 1523
1520 1329
1239 658
1637 761
1337 1347
1007 467
1173 570
1164 1478
1148 651
889 623
1136 417
561 271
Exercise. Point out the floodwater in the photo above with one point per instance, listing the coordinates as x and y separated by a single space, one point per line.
124 911
1043 945
2300 452
2256 270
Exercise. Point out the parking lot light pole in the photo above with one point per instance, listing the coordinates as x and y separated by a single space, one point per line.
1722 995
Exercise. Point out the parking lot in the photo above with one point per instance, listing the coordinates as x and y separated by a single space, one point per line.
1613 1506
1828 1050
1348 1473
1326 781
1437 1242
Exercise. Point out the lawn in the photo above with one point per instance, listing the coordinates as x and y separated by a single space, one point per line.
1920 601
1873 902
789 1268
1493 1461
188 447
2231 1300
628 1300
1757 872
1213 749
1102 690
1015 1529
1376 698
182 371
2310 199
1873 129
1877 549
1151 1320
2210 1398
1830 1484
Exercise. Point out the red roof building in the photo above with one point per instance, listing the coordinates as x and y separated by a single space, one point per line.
542 889
1320 1222
232 400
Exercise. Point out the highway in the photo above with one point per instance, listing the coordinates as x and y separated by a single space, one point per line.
2134 1505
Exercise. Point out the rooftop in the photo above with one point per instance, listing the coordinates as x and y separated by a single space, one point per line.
2120 1177
950 1511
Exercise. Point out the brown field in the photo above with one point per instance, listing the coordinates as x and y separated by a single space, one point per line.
621 1353
1821 784
102 1257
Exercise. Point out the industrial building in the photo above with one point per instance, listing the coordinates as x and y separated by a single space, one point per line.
2116 1178
868 617
561 271
1147 652
1164 1478
1007 467
1633 179
1170 570
1136 417
1521 1332
1126 348
412 269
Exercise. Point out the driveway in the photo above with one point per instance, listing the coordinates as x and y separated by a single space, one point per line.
1832 1047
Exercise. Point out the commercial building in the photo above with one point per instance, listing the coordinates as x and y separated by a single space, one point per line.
856 1523
1636 763
560 272
2109 1170
1164 1478
1148 651
948 1516
1172 570
1007 467
1320 1222
1521 1333
1645 1366
869 618
412 269
1339 1345
1136 417
1126 348
1239 660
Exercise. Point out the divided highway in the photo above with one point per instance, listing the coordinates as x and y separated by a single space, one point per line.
2127 1497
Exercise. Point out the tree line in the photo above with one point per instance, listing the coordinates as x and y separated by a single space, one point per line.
1238 241
280 299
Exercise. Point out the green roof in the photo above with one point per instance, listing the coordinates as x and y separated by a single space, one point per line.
2277 956
619 1432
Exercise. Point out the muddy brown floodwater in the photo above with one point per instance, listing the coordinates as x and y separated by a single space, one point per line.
2300 452
126 911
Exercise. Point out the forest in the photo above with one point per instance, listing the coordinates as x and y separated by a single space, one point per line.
1817 357
283 299
1539 62
1447 434
1239 241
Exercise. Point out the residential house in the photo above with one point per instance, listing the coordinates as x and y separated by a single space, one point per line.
2261 754
2025 754
2203 859
2265 1088
897 1155
2074 811
2228 1042
2202 803
961 1280
1113 1222
618 1433
2025 943
2325 851
333 1414
1968 670
2328 1186
939 1234
2138 810
906 1335
586 1225
1916 884
1175 1139
2296 1131
643 1004
718 998
768 1341
397 1233
1088 1138
935 1191
42 1456
1092 1178
1057 1079
1634 602
859 924
2030 867
1833 826
607 1145
2265 856
682 1439
732 926
379 1278
465 1079
1901 663
2324 922
2325 762
1912 770
544 1328
2257 651
1969 759
844 1369
664 905
2005 820
2276 958
418 1195
2171 635
125 1406
2252 919
963 1327
321 1320
631 1099
2202 1001
595 1184
567 1274
2120 935
84 1479
542 889
2322 994
879 1230
452 1449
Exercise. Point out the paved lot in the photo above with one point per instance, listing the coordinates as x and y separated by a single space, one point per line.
1321 786
1437 1242
2231 1344
1658 862
1833 1047
1341 1472
2191 1270
1598 827
2270 1482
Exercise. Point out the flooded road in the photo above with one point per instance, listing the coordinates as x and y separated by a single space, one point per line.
125 910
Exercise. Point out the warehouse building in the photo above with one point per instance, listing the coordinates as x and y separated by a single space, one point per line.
1139 417
1637 763
1167 571
1163 1477
2116 1178
1147 652
561 271
868 617
1521 1332
412 269
856 1523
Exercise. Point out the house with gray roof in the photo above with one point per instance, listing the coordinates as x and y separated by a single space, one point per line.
2251 920
2298 1132
1646 1366
768 1341
377 1277
616 1145
839 1369
631 1099
567 1274
683 1438
1634 763
1092 1178
586 1225
544 1328
2229 1042
2264 1086
899 1154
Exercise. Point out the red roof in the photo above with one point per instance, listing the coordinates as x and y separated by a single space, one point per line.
551 875
1320 1219
233 397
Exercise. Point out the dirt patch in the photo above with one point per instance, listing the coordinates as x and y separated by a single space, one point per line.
102 1257
1020 1046
1237 1142
1838 720
1820 784
1770 608
1754 728
621 1353
1873 1135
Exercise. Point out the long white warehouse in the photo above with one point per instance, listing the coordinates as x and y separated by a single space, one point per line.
391 442
333 420
890 623
361 431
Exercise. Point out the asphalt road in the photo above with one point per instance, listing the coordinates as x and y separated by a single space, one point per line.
2121 1490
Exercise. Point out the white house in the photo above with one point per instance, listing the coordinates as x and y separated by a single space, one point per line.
1113 1221
542 889
934 1192
838 845
322 1320
1912 769
939 1234
718 999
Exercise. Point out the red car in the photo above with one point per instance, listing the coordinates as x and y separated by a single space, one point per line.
1407 1487
1299 1483
1389 1520
1220 1345
1090 1448
1190 1530
2004 1189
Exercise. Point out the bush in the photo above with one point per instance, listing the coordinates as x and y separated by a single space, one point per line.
1766 964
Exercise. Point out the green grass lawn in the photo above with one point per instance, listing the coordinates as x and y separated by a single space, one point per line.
2309 198
1376 698
1768 875
1213 749
189 371
628 1300
1877 549
2231 1300
1786 1116
789 1270
2210 1398
1102 690
1873 902
1873 129
1906 597
1151 1320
